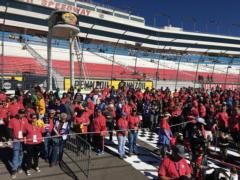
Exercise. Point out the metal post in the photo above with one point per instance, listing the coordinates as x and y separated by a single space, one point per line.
238 78
157 74
135 66
71 47
179 61
49 54
2 54
195 79
225 81
213 70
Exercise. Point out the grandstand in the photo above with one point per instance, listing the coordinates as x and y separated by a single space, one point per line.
111 48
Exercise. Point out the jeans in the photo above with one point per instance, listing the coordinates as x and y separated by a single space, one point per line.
57 151
154 121
133 135
17 156
47 147
121 145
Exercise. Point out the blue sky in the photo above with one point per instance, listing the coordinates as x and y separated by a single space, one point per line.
207 13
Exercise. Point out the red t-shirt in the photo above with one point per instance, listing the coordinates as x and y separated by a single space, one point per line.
84 119
133 121
173 169
18 125
164 124
13 108
223 119
32 131
3 115
122 125
127 109
99 124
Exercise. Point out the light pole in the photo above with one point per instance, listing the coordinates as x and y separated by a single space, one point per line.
162 14
201 59
236 25
179 61
215 61
191 19
228 67
114 52
2 54
213 22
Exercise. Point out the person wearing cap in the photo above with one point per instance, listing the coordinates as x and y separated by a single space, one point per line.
33 143
14 106
61 129
122 133
100 130
165 134
175 166
197 136
133 124
17 128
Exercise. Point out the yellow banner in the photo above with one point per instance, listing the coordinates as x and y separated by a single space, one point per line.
100 84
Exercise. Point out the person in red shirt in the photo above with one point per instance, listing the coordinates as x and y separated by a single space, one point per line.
81 122
3 123
99 129
134 124
122 133
48 126
175 166
222 118
33 143
14 106
17 128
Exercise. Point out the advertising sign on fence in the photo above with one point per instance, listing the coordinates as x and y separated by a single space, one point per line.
88 85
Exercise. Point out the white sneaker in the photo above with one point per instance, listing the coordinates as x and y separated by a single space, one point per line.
20 171
28 173
38 169
1 144
14 176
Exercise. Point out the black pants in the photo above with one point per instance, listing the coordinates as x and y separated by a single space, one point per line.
110 127
32 155
3 133
98 142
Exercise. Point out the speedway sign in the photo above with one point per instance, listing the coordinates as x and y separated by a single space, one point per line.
60 6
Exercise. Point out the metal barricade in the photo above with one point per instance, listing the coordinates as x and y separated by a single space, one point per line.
79 151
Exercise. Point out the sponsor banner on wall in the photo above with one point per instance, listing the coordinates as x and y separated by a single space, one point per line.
88 85
222 86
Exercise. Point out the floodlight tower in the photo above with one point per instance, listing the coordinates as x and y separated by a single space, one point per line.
64 25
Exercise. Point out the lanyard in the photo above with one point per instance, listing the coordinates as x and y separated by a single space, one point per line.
34 128
20 122
177 168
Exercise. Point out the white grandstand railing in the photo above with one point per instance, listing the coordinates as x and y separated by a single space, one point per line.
127 67
167 66
58 78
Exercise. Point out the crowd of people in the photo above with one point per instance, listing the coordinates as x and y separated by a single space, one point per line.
37 124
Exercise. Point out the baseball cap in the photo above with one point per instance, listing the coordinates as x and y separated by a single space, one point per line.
179 150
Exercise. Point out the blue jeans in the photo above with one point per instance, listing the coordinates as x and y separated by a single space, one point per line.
17 156
132 138
121 145
57 151
47 146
